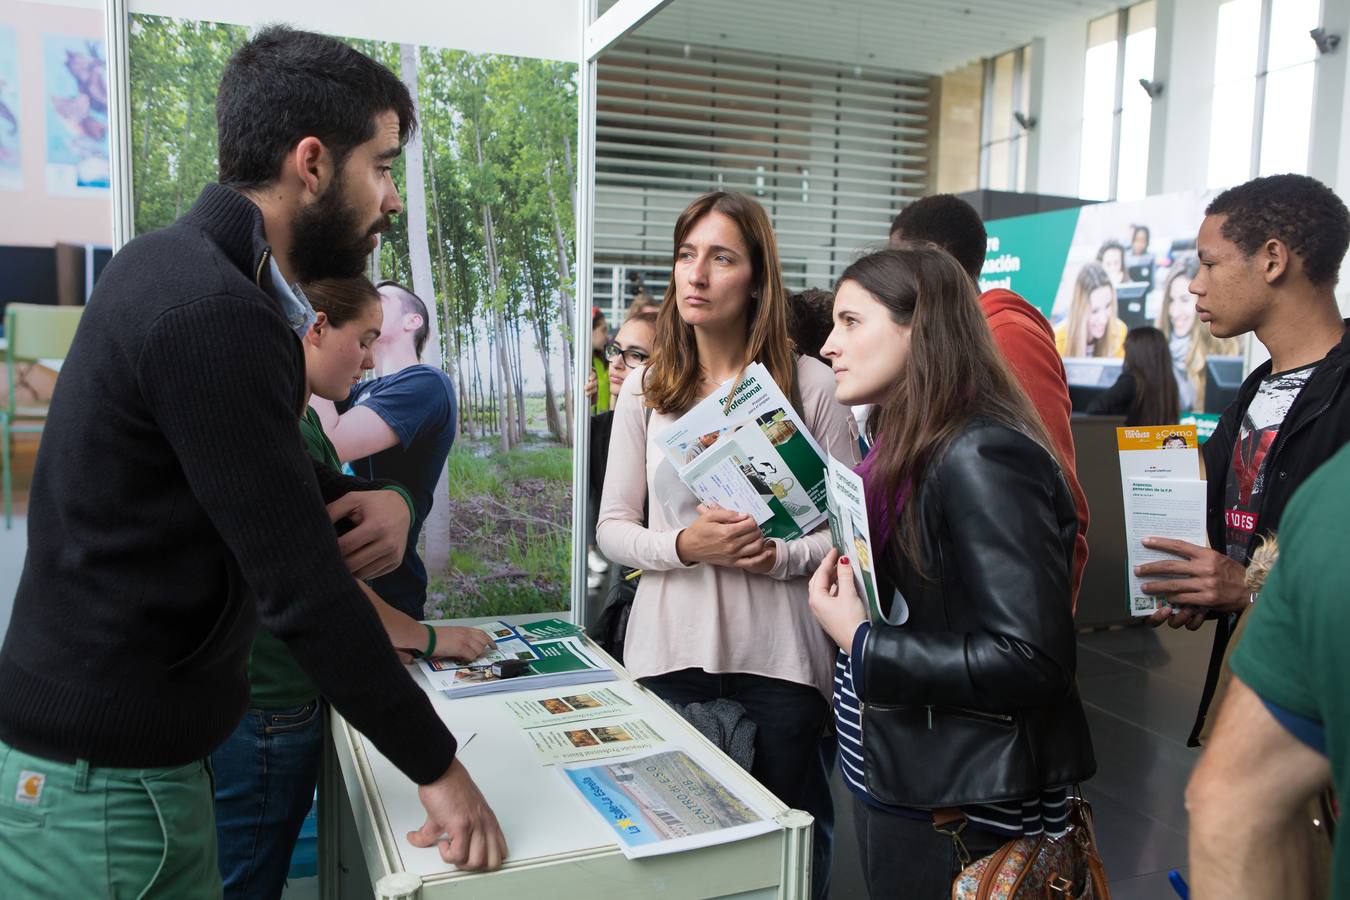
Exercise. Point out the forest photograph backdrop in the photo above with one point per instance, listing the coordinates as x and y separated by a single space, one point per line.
486 239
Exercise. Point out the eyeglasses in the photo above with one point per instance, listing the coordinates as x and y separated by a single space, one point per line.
631 358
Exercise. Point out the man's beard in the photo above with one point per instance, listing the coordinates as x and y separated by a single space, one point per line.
327 240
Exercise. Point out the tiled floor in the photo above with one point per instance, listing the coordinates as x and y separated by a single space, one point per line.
1140 687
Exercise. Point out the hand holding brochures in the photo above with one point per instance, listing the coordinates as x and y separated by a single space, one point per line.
749 451
1164 497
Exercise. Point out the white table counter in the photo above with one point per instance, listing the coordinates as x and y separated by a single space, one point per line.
557 845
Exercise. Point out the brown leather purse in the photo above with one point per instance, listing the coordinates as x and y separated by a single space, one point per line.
1041 867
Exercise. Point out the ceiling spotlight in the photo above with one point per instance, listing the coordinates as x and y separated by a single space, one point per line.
1027 122
1153 88
1325 42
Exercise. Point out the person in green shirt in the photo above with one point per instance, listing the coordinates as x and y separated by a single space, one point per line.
266 771
1283 732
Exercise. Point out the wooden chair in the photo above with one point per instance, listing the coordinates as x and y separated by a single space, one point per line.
33 332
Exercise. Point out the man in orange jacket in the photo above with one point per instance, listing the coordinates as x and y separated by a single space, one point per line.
1022 333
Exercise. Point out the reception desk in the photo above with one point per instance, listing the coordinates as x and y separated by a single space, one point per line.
558 847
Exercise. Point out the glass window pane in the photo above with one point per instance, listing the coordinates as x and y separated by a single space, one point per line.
1138 64
1027 59
1239 33
1001 119
1132 176
1102 31
1099 79
1287 123
1094 168
1021 183
1290 22
998 167
1230 132
1142 16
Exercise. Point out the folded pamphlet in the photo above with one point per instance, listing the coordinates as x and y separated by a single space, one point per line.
749 451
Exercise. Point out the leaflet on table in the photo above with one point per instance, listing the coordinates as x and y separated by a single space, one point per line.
853 538
1160 507
445 673
593 740
767 463
566 708
547 629
1155 453
559 662
664 803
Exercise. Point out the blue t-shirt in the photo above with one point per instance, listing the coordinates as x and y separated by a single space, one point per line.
418 403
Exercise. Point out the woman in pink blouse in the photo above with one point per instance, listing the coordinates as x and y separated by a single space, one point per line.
721 611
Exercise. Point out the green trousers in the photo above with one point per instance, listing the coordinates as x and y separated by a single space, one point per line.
72 830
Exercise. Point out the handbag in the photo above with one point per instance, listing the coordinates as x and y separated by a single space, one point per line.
1041 867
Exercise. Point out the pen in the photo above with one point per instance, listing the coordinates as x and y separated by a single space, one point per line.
1179 885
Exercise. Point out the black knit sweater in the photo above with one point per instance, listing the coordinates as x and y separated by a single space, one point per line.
173 508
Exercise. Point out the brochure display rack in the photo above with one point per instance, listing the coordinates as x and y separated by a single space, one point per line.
557 845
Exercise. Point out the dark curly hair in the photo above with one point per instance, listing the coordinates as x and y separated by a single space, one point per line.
284 85
810 320
1300 211
949 222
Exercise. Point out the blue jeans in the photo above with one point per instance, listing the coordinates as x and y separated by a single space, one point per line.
266 772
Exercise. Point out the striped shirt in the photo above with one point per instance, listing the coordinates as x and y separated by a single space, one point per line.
1047 812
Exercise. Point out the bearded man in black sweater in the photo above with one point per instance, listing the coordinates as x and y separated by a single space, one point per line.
156 545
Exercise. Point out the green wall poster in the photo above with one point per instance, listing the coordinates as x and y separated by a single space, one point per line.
1026 255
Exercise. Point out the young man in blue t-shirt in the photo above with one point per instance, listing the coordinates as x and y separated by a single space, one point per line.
401 425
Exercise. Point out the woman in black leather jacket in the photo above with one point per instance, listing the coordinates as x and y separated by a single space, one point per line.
959 710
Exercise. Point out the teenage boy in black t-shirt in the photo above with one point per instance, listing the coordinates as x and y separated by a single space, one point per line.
1269 253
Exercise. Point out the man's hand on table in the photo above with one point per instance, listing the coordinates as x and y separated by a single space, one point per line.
459 822
375 546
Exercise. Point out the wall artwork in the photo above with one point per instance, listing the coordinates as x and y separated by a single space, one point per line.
11 160
75 75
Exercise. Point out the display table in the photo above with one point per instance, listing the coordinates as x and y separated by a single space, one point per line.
557 845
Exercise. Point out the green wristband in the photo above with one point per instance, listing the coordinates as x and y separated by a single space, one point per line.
431 641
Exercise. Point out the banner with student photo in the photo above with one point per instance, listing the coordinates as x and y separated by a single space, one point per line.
11 155
75 73
1100 270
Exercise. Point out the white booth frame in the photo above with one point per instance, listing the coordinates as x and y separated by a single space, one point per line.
565 31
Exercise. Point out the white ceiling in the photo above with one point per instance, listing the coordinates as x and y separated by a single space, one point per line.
931 36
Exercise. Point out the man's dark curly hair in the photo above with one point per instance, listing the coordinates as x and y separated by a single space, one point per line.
810 320
951 223
284 85
1300 211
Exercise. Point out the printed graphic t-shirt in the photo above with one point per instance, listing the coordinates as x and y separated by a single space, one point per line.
1256 438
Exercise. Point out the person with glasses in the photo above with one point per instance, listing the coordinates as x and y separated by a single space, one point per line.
629 350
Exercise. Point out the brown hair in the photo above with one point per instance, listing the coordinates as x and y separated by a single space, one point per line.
1148 359
1090 278
340 299
953 373
672 379
1203 343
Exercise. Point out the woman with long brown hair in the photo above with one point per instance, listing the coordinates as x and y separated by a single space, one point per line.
721 611
1146 391
1188 338
1093 327
958 718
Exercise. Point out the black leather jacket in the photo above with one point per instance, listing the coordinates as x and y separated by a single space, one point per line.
973 699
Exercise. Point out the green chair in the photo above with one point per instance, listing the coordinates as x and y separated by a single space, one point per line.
33 332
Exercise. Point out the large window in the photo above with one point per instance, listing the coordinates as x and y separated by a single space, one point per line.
1003 143
1261 115
1117 110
